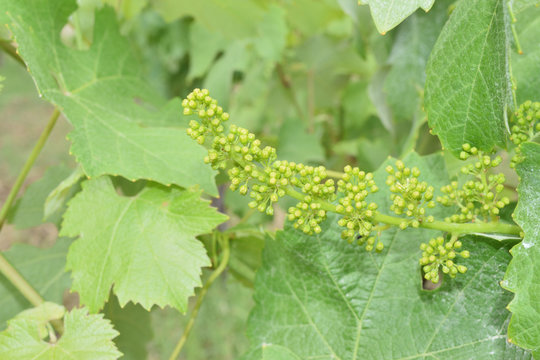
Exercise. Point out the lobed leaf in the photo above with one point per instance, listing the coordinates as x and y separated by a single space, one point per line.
121 126
144 245
523 273
320 297
467 83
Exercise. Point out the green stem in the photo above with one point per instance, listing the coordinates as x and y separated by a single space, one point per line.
27 166
490 227
10 273
215 274
6 269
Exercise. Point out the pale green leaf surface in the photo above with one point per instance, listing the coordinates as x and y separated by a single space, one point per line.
29 210
320 297
148 251
133 324
467 81
121 126
85 337
44 269
204 47
387 14
526 67
523 273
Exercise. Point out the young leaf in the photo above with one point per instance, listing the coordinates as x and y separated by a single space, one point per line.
85 337
121 126
387 14
133 324
523 273
467 83
148 251
320 297
42 268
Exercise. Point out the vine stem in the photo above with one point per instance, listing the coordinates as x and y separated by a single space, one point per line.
215 274
27 166
6 269
489 227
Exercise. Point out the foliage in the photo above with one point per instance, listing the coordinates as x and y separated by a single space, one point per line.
396 257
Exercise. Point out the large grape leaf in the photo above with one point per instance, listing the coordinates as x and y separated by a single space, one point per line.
85 337
148 251
387 14
523 274
320 297
467 82
42 268
121 126
526 66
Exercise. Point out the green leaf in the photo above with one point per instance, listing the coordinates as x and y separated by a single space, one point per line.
44 269
29 210
133 324
320 297
526 67
121 126
467 82
523 273
387 14
404 83
85 337
148 250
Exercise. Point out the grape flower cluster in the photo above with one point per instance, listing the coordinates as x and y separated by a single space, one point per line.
441 254
479 198
525 127
256 172
409 195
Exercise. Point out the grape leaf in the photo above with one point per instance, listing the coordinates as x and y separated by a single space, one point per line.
42 268
320 297
133 324
467 83
387 14
526 67
85 337
121 126
29 210
523 273
149 251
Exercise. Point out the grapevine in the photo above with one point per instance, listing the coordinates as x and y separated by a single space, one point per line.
256 172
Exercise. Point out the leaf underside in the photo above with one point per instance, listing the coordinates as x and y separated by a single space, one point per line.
121 126
149 251
467 83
